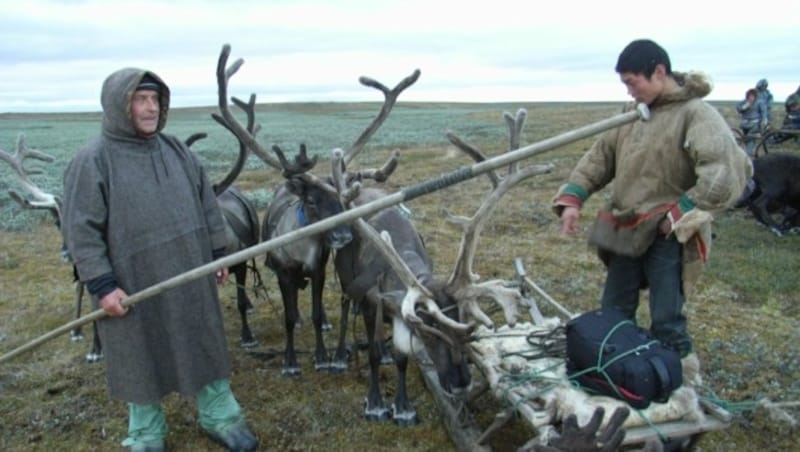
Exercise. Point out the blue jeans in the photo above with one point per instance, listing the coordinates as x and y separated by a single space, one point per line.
661 268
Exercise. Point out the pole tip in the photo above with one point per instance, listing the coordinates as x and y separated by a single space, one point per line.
644 111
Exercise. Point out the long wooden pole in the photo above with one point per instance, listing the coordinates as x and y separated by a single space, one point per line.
406 194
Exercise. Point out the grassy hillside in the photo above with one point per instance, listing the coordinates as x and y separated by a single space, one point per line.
743 317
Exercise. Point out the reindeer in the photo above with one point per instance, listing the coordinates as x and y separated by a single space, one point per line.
368 280
774 187
390 283
302 199
239 213
40 199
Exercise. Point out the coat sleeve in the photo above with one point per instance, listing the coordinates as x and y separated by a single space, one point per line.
594 170
721 166
85 217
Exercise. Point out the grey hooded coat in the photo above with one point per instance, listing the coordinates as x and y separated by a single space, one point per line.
144 210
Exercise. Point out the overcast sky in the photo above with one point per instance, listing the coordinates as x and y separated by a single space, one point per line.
54 55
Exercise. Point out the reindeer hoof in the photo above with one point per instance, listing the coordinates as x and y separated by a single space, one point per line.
405 418
323 366
252 343
93 357
326 326
76 337
378 414
387 360
338 367
291 372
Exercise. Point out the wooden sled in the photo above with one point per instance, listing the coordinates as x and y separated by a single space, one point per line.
524 370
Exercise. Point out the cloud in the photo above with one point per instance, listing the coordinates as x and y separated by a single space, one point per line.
58 52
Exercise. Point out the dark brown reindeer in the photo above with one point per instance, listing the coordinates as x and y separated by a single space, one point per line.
239 212
391 277
303 199
368 279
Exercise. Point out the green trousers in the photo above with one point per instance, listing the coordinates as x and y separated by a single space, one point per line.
217 408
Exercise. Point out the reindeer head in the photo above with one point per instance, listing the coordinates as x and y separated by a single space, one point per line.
39 199
449 357
319 198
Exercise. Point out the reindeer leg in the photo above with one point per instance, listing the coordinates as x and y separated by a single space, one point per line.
244 305
791 220
375 408
96 353
77 333
339 362
97 347
258 284
386 352
380 339
321 359
403 412
326 324
759 207
290 314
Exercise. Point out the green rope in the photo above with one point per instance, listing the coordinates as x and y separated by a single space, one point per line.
519 379
747 405
544 344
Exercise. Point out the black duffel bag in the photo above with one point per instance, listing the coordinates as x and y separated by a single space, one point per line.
608 354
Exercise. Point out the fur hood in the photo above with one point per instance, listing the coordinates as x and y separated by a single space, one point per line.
691 85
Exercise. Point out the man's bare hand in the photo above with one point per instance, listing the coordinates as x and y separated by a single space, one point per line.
112 303
569 220
665 227
222 276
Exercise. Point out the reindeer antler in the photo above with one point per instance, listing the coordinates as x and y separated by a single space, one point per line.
515 125
252 128
379 174
301 168
301 165
244 135
347 188
462 283
390 98
39 199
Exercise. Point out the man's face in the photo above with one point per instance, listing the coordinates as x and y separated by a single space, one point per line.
643 89
144 112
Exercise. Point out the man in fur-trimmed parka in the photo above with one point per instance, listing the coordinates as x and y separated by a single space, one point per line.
139 209
670 175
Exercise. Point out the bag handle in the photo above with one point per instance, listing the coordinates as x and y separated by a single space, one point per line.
662 373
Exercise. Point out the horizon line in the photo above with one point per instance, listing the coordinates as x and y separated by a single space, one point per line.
214 106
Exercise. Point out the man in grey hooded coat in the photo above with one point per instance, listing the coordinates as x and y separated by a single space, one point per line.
139 209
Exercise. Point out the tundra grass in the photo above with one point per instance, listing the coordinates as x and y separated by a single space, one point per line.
743 315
